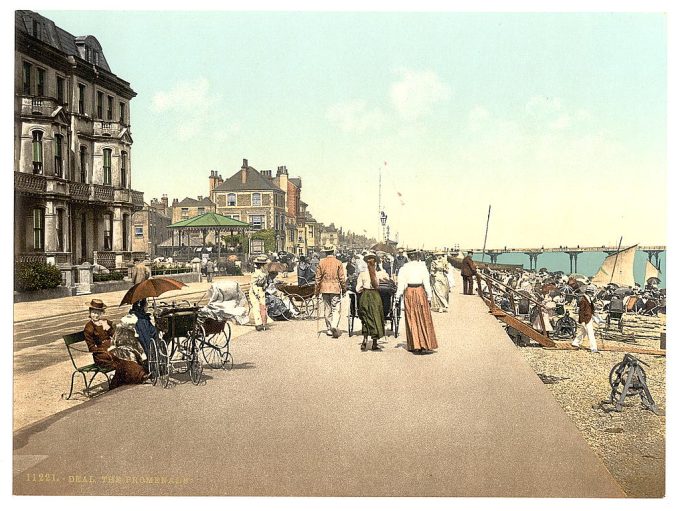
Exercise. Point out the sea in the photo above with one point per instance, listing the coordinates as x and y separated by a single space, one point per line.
588 263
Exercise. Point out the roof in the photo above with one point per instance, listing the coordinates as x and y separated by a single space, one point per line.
254 181
58 38
189 202
296 181
207 221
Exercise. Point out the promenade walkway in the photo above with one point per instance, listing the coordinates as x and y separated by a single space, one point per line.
307 415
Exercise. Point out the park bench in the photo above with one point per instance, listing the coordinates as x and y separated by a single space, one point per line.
90 369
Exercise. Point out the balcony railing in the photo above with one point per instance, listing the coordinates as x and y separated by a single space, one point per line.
79 190
137 198
25 182
106 128
103 193
37 105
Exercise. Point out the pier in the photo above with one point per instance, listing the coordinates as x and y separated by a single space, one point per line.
652 252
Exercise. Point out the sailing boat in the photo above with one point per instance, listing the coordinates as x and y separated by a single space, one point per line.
651 272
617 269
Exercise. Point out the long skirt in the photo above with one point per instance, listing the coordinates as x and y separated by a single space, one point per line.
419 327
440 291
371 314
127 372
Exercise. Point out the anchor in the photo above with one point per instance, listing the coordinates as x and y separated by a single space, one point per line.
628 378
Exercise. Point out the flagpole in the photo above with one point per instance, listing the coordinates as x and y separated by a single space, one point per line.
486 232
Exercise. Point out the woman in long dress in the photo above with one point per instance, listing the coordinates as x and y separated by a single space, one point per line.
98 334
414 285
439 271
370 304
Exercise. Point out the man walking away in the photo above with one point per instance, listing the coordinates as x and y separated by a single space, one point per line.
330 282
140 272
209 269
467 271
586 310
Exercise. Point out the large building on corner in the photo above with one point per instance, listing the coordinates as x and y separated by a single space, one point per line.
73 159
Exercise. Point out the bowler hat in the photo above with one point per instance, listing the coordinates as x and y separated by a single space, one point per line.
97 304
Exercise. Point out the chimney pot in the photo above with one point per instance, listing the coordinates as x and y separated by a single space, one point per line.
245 163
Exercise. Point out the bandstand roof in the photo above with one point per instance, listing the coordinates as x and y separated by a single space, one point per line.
211 221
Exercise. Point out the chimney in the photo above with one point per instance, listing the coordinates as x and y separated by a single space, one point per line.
200 197
244 171
164 200
212 180
175 202
266 173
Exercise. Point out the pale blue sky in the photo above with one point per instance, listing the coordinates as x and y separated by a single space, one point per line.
531 113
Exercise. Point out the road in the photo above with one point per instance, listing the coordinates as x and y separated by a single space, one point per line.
306 415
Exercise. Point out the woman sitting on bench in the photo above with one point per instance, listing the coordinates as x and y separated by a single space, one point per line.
98 334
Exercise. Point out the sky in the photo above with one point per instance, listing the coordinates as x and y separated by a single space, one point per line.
539 115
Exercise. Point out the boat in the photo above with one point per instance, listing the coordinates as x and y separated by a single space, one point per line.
617 268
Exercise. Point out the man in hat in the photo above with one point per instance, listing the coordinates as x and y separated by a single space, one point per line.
399 261
140 272
468 269
330 282
586 310
258 303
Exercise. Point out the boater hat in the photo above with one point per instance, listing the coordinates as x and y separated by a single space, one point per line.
261 259
370 255
329 248
97 304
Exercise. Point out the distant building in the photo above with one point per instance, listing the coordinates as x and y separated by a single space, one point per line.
72 149
330 235
189 208
149 230
255 197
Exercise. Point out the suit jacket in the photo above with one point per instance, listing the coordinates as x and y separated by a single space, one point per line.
468 268
585 310
140 273
330 276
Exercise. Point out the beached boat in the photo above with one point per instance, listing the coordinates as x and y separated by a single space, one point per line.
617 269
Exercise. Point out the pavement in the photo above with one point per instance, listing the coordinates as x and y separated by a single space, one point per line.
306 415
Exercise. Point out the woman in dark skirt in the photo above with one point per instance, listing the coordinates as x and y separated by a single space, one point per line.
370 304
98 334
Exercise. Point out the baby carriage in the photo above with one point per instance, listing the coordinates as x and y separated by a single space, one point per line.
391 306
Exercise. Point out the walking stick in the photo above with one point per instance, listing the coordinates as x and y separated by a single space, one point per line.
318 312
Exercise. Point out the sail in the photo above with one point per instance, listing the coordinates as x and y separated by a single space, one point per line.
651 271
617 268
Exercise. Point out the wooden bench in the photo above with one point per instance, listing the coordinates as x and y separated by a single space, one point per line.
90 369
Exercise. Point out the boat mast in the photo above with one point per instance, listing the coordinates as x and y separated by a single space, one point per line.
486 232
611 277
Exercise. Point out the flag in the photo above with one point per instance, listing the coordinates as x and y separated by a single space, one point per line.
401 199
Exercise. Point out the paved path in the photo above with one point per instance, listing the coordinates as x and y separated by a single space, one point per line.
301 415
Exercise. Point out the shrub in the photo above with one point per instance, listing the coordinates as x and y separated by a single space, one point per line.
106 277
231 269
34 276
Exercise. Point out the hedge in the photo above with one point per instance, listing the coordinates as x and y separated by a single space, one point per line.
34 276
106 277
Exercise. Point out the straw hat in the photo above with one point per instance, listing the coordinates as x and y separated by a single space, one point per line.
329 248
261 259
96 304
369 256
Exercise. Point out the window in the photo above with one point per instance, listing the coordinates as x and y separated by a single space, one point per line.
88 54
121 107
27 79
60 230
83 164
126 232
108 231
58 160
100 105
123 169
231 199
201 211
40 82
37 32
81 98
37 152
257 199
235 217
107 167
38 229
61 83
185 213
257 221
139 231
109 108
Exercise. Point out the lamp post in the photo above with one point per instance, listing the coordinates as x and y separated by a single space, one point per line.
383 221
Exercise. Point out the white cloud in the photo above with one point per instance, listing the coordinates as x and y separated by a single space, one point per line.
561 122
478 117
415 94
194 110
355 116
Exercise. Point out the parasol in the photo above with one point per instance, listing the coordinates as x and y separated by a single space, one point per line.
653 281
154 286
623 291
384 247
276 266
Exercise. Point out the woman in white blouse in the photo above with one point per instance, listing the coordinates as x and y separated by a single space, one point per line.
414 285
